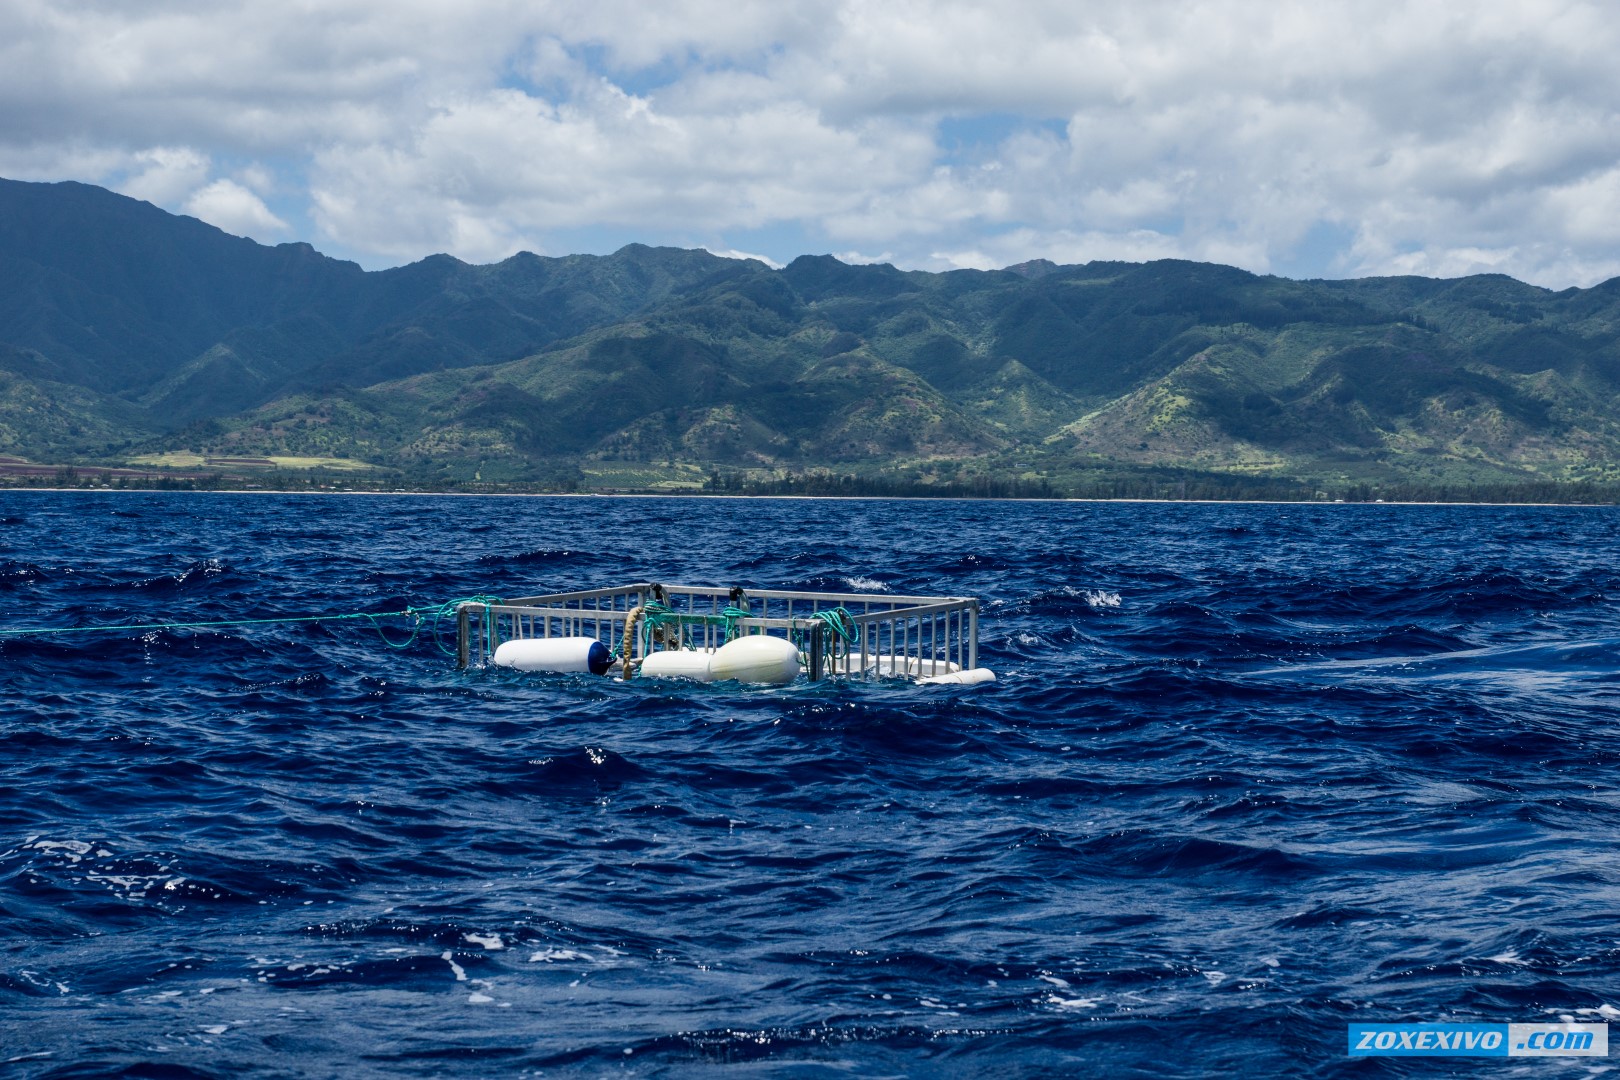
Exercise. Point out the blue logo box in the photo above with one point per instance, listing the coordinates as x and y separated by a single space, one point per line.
1479 1040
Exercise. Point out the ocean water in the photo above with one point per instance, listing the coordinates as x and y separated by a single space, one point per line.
1248 774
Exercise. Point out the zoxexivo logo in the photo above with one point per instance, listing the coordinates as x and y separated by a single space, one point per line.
1479 1040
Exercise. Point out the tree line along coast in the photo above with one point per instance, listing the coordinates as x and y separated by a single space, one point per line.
144 349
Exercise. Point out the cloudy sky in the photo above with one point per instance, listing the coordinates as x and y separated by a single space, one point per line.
1319 139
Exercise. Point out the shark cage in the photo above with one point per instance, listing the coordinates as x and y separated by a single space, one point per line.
707 634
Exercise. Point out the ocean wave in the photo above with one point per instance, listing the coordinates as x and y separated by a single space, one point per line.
1244 771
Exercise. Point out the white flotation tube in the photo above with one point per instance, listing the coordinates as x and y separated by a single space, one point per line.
756 658
909 665
678 664
561 654
961 678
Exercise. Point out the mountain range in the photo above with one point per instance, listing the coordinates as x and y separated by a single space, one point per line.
130 334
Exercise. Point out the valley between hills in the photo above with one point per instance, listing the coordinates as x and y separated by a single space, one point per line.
138 348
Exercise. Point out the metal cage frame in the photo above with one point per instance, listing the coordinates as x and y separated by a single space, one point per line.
912 636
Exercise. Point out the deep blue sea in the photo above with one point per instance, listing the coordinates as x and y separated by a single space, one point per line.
1249 774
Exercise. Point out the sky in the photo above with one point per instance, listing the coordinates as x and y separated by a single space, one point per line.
1321 139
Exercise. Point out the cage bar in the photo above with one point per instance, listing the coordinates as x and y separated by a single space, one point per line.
893 636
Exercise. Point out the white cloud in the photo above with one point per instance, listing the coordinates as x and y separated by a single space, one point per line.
45 162
606 157
1021 245
941 132
859 258
165 175
235 209
257 178
732 253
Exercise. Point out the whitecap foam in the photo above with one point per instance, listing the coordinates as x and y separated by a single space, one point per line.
1071 1002
72 850
134 887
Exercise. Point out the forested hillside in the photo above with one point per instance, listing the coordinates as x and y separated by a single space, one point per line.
127 333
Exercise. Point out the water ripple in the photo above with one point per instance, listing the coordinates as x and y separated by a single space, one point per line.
1248 774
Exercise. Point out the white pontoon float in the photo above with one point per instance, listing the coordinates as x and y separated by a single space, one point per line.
707 633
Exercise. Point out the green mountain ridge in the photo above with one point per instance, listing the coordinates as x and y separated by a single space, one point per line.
127 331
125 299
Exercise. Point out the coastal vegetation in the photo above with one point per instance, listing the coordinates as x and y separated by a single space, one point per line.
135 344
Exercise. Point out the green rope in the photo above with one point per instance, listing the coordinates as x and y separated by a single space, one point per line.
841 625
191 625
417 615
731 615
656 616
448 608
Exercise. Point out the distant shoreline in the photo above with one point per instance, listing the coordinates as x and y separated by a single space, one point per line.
803 498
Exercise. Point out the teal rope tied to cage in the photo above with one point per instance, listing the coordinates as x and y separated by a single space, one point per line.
840 628
731 615
448 608
420 617
657 620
